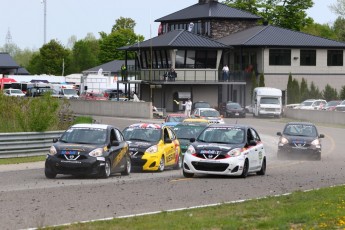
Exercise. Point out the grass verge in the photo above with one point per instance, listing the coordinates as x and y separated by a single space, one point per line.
18 160
317 209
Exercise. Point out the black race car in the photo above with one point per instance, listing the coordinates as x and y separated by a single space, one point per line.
299 139
89 149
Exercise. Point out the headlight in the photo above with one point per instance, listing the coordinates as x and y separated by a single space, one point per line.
234 152
283 141
52 151
152 149
96 152
316 143
190 150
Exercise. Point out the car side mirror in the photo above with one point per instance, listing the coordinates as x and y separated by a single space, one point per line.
321 136
252 143
279 133
192 140
115 143
55 140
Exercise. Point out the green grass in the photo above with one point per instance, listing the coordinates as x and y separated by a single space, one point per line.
18 160
319 209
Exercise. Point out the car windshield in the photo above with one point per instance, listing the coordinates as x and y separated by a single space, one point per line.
226 135
84 136
142 134
233 106
307 103
188 131
300 130
16 91
269 100
202 105
343 103
332 103
209 113
176 118
70 92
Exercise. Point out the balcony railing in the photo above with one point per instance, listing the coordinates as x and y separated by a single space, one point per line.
189 75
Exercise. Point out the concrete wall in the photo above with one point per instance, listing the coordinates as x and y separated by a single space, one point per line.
112 108
316 116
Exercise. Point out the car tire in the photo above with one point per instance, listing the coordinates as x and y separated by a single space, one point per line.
106 170
128 167
161 165
49 174
178 164
263 168
245 169
187 174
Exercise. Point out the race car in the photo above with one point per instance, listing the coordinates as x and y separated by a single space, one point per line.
234 150
153 147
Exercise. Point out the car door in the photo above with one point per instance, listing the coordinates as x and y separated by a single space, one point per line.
169 147
252 151
259 149
117 153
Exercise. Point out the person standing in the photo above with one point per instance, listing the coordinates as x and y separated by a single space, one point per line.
188 107
225 73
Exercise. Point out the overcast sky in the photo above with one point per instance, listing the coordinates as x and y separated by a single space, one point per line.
25 18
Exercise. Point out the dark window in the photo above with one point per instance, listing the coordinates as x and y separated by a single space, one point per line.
308 57
280 57
334 58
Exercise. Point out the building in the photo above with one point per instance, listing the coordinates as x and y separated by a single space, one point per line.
199 40
8 66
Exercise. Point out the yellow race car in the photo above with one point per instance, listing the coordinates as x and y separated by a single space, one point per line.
153 147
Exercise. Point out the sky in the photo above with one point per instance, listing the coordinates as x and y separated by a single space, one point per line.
24 19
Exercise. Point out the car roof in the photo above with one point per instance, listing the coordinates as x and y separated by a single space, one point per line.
207 109
95 126
177 115
300 123
192 124
230 126
146 126
195 120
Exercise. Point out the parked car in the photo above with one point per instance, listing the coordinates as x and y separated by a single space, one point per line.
195 120
113 93
93 96
340 107
200 104
89 149
187 130
299 139
234 150
153 147
212 115
38 91
330 106
14 92
312 104
234 109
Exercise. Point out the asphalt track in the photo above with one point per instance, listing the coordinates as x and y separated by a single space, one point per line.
29 200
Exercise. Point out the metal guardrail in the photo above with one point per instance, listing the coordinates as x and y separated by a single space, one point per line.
26 143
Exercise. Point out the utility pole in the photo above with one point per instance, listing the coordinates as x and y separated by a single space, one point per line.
45 21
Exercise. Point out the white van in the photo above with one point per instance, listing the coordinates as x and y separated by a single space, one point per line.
267 101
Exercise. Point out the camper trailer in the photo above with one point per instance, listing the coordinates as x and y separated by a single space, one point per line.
267 101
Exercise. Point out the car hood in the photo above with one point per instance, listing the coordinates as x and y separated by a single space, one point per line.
140 145
81 148
201 147
300 139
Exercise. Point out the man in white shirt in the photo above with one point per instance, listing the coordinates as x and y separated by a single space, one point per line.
188 107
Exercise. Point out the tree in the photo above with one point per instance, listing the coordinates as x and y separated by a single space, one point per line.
342 93
339 29
254 83
10 48
321 30
330 93
262 80
314 91
289 90
338 8
290 14
304 92
295 92
52 58
23 57
123 23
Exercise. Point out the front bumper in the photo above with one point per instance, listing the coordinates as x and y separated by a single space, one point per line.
229 166
146 161
289 151
88 166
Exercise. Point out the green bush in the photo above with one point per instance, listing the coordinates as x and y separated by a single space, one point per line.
79 120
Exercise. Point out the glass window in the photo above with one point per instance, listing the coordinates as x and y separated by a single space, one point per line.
211 59
190 59
334 58
180 57
280 57
200 59
308 57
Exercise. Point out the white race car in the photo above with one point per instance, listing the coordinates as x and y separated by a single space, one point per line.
223 149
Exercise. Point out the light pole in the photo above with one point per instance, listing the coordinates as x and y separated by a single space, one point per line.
45 21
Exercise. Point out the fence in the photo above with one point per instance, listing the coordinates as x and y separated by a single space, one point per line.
26 144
